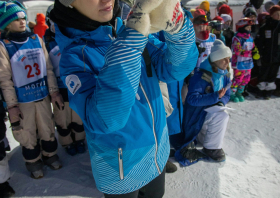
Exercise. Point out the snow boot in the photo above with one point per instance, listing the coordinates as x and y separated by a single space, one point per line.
52 162
217 155
71 149
36 169
191 153
234 98
80 146
170 167
240 97
6 190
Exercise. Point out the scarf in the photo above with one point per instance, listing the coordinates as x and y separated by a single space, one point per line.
70 17
17 36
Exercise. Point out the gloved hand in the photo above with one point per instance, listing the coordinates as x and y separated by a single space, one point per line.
57 100
151 16
15 114
139 18
256 55
168 16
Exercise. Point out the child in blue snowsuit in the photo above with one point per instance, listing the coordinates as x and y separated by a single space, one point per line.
208 87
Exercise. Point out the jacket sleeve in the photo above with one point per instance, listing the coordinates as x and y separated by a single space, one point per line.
52 81
196 94
6 82
175 58
103 98
259 41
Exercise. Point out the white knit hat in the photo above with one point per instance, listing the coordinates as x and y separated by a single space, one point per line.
226 17
219 51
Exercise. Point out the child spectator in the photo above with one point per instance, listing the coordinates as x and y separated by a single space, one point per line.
242 61
203 35
227 30
27 80
71 133
41 27
217 28
267 42
207 88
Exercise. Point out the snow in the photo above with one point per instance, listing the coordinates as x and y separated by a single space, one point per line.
252 168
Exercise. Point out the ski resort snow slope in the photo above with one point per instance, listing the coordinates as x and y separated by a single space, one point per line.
252 168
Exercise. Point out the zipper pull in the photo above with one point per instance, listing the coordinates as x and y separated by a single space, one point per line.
121 163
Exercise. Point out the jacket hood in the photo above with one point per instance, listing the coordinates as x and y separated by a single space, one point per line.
40 18
102 35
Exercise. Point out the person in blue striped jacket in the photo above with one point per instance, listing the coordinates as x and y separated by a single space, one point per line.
115 94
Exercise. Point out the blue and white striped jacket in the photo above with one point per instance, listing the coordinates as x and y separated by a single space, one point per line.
121 108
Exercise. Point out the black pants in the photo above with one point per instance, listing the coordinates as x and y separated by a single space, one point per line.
154 189
268 72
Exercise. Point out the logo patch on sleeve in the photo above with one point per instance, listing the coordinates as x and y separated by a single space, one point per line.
73 83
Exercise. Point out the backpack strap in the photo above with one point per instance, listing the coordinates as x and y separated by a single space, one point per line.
148 62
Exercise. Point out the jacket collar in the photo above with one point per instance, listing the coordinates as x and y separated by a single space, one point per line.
102 35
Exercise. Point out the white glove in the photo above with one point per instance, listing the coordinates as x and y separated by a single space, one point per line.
168 16
150 16
139 18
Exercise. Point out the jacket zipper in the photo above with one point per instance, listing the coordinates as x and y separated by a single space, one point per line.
153 125
120 163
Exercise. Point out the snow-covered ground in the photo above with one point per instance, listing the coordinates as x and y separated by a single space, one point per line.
252 168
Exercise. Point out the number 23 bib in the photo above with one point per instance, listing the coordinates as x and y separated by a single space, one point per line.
29 69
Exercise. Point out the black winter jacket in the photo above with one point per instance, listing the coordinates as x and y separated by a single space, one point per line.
268 41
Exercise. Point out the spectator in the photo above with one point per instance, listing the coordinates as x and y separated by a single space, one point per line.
26 90
116 94
242 61
216 28
207 88
205 5
40 27
227 31
204 38
267 42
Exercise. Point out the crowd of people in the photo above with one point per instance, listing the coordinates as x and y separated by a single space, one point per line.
140 80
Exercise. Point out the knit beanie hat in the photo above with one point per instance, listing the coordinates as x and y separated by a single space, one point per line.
268 5
205 5
226 17
10 11
225 9
219 51
66 2
273 9
250 11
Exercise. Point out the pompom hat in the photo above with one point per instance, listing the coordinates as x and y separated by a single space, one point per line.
10 11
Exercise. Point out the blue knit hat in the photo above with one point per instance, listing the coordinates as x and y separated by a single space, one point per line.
10 11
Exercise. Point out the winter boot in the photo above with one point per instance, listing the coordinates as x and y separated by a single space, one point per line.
80 146
53 162
234 98
6 190
217 155
36 169
191 153
239 92
71 149
170 167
